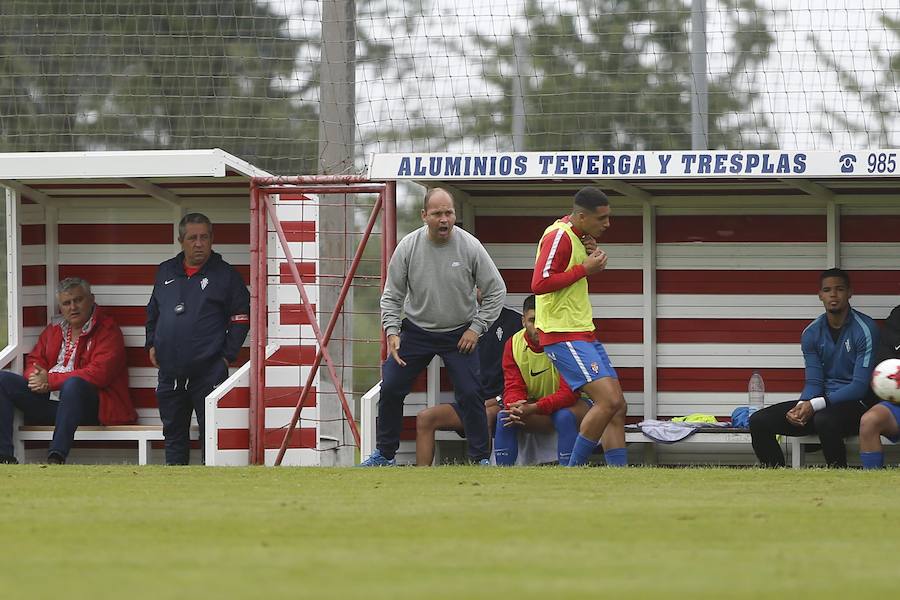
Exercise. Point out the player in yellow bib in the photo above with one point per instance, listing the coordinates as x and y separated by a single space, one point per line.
567 255
535 397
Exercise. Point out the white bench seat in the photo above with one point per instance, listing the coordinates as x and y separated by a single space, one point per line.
141 434
794 445
701 437
797 444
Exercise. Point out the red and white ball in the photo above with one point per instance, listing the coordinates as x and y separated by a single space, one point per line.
886 380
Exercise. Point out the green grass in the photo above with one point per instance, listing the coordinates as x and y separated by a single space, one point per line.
452 532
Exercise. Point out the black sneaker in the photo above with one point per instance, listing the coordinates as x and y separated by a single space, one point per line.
6 459
55 458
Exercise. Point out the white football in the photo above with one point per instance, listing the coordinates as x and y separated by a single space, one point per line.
886 380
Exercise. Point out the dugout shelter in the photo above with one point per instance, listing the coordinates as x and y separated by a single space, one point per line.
714 262
111 218
714 258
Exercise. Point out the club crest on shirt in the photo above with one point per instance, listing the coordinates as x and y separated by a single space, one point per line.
499 334
595 367
847 344
203 283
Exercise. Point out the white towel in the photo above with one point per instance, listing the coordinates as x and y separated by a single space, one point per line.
668 431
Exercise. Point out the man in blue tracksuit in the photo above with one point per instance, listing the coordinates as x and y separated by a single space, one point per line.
839 354
197 320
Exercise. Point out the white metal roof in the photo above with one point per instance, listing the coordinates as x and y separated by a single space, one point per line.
167 175
129 163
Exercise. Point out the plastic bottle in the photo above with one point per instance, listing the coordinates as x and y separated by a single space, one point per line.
756 392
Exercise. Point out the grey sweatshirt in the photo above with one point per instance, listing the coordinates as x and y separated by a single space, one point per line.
434 284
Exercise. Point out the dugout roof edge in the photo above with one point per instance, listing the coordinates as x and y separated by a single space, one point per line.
165 175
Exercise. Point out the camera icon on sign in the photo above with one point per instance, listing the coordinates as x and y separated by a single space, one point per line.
847 162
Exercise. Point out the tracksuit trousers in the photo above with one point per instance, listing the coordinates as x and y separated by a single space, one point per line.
417 348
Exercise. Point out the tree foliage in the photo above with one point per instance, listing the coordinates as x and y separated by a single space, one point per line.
876 124
616 74
155 74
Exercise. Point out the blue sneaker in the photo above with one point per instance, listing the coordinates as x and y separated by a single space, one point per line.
377 459
484 462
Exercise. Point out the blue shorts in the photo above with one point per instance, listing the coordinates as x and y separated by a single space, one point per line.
580 362
895 410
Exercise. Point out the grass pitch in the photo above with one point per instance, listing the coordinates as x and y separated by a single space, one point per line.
453 532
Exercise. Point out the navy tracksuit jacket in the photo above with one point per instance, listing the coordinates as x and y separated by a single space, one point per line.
213 324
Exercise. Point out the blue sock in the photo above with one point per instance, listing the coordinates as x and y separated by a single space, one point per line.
616 457
582 451
506 442
566 426
872 460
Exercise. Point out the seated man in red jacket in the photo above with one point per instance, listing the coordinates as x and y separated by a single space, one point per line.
75 375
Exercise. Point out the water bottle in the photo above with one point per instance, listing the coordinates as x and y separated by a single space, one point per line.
756 392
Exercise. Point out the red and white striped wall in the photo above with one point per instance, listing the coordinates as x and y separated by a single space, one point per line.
291 349
111 218
717 287
117 250
734 289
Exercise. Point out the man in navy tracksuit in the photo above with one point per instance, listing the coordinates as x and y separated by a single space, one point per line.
197 319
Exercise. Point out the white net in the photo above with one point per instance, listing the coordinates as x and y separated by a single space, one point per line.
617 74
464 75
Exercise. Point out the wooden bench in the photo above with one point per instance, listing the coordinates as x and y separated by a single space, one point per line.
633 435
143 435
707 435
797 446
702 435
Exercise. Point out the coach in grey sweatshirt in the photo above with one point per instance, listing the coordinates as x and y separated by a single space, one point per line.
431 282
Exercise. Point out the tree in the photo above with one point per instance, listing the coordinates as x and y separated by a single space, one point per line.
876 124
614 74
156 74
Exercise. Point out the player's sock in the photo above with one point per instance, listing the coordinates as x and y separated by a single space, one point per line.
582 451
566 426
506 442
616 457
872 460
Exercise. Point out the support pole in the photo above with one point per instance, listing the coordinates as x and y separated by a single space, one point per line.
257 365
388 242
262 326
699 84
323 343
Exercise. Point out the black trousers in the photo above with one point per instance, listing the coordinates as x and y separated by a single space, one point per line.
178 397
832 424
78 405
417 348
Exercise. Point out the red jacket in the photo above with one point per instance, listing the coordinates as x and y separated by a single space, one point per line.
99 360
515 389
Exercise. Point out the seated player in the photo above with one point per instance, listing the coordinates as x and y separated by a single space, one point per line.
536 399
883 418
446 417
75 375
839 354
